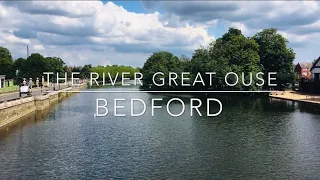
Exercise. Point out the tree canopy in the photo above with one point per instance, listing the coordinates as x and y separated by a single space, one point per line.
265 52
275 55
36 64
164 62
235 53
113 70
6 63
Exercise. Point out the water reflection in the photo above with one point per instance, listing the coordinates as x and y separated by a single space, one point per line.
257 138
309 108
31 119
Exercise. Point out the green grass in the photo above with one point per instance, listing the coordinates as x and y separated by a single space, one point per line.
9 89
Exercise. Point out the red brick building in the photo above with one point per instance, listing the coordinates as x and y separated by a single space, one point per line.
303 70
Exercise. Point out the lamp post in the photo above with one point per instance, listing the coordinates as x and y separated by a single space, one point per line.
27 52
58 81
31 84
17 77
61 70
37 82
42 82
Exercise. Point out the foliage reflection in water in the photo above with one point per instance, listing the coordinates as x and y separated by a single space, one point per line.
252 138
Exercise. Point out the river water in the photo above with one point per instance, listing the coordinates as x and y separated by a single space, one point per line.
257 138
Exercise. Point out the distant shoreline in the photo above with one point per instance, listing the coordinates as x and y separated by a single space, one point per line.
296 96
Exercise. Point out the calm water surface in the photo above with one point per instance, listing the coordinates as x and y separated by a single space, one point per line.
251 139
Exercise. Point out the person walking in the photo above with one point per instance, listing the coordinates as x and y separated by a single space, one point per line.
41 85
29 85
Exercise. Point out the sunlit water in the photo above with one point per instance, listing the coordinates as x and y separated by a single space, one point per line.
251 139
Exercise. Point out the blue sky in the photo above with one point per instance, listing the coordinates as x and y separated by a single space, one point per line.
137 6
133 6
128 32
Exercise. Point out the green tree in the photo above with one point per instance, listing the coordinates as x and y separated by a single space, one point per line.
6 63
19 65
233 52
203 62
85 71
164 62
239 53
54 64
35 65
275 56
185 63
113 70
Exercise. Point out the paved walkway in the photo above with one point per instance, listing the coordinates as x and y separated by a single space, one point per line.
296 96
35 91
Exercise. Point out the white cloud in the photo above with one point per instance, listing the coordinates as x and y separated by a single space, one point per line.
8 38
65 26
240 26
38 47
296 20
90 32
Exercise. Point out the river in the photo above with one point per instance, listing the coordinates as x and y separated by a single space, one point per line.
257 138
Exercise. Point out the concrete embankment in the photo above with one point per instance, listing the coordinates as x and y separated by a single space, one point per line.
11 111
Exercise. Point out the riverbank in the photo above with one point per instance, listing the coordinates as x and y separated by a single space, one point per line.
11 111
296 96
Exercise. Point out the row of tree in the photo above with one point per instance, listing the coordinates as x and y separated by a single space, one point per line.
114 70
32 67
267 51
36 64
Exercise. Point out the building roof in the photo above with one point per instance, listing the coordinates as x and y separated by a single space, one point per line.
304 65
314 64
2 76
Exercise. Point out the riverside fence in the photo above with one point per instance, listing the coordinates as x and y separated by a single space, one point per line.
312 87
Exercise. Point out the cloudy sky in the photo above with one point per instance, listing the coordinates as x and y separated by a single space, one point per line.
127 32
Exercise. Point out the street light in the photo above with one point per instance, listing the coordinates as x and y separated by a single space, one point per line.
61 69
37 82
30 81
58 81
17 77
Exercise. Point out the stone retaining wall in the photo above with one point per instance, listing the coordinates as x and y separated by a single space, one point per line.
13 110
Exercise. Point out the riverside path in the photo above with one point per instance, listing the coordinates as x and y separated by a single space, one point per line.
35 91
